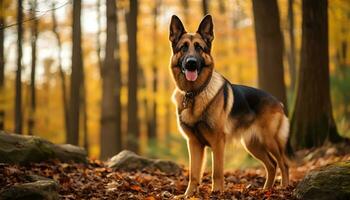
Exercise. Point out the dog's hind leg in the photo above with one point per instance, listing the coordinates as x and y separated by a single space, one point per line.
259 151
218 149
278 153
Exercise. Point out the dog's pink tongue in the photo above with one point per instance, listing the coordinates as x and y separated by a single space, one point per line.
191 75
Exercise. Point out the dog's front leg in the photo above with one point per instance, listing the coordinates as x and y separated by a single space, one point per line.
218 165
196 153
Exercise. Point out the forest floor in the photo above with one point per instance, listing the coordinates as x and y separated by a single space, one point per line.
95 181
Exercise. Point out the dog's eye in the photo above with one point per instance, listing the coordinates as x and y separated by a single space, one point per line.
198 47
184 47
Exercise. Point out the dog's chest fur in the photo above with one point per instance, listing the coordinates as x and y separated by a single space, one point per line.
206 110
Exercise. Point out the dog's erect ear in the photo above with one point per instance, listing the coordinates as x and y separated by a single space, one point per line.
205 29
176 29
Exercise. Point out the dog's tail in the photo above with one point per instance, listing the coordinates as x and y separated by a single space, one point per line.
283 140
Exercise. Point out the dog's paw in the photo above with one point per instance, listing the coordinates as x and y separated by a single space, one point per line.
217 188
188 194
216 192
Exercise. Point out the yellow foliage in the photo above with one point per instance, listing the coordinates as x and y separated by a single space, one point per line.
234 53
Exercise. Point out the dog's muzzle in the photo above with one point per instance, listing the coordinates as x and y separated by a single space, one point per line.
190 67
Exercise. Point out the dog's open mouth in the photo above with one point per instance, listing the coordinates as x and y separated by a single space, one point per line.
190 66
191 75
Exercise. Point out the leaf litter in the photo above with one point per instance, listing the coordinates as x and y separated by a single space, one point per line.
96 181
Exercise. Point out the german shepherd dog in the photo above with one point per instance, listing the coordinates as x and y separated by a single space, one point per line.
210 110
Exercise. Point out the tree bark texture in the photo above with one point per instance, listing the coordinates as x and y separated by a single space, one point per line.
312 120
291 52
2 65
18 98
60 68
110 137
133 122
269 43
152 132
34 37
77 70
186 10
84 113
98 35
205 7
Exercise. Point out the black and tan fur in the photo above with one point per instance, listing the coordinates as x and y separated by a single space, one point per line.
210 110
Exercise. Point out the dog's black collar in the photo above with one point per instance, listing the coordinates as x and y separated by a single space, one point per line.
190 95
188 99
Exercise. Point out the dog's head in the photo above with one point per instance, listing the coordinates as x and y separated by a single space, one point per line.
191 62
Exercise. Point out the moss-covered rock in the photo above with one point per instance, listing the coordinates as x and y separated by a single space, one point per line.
42 189
129 161
22 149
326 183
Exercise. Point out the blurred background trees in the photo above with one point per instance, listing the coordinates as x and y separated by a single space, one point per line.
76 83
18 98
269 45
133 72
312 120
2 65
34 37
110 73
96 72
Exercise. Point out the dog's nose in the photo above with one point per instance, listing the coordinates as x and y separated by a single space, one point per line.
191 63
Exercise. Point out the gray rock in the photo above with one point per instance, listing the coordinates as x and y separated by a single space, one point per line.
326 183
23 149
129 161
33 177
43 189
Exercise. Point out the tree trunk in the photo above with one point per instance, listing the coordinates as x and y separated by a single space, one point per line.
61 72
111 140
237 17
133 122
205 7
168 114
146 104
291 54
269 44
77 70
222 7
152 132
18 101
312 120
47 77
98 35
84 113
344 47
34 37
2 66
185 6
119 142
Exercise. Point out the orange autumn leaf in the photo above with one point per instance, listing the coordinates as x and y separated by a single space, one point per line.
150 198
136 188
